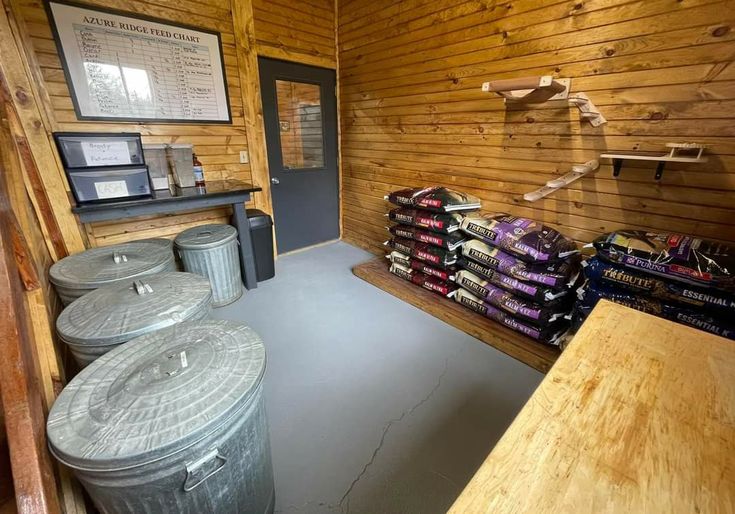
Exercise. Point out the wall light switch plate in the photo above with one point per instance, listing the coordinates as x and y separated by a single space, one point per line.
244 159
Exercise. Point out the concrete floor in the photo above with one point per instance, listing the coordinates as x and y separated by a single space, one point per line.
374 406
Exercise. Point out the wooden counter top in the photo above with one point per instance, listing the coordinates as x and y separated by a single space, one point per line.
636 416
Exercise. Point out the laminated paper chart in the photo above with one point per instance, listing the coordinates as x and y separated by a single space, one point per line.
127 68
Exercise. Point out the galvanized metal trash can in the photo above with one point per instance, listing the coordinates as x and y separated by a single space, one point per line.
78 274
211 251
112 315
173 422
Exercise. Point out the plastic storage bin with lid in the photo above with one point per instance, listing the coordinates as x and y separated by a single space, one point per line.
112 315
211 251
173 422
78 274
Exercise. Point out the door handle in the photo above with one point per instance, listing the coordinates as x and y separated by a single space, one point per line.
275 181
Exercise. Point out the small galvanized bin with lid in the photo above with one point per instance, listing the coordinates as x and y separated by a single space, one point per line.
107 317
173 422
78 274
211 251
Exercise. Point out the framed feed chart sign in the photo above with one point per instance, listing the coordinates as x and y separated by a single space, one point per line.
125 67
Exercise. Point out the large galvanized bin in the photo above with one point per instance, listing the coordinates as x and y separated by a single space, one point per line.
78 274
173 422
109 316
211 251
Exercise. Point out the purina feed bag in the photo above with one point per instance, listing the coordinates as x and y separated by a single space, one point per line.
504 300
611 275
437 199
421 279
534 292
673 256
423 251
555 275
551 334
526 239
445 223
449 241
415 264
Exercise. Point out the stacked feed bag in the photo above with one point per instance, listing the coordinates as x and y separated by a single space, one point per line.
427 238
519 273
673 276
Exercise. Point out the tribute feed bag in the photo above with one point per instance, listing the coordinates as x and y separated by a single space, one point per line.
449 241
528 240
428 253
550 334
557 275
446 223
696 318
415 264
671 256
433 284
612 276
504 300
435 198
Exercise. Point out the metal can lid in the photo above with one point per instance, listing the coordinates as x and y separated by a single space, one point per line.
120 312
109 264
205 236
156 395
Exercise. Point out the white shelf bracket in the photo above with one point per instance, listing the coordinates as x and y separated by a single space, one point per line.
578 171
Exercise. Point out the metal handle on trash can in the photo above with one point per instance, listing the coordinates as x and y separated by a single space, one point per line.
119 257
193 467
274 180
142 287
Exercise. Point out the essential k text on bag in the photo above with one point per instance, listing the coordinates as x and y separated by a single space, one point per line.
555 275
505 301
610 275
445 223
421 279
526 239
424 252
551 334
672 256
449 241
437 199
415 264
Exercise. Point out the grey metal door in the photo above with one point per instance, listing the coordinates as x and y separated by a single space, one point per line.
300 115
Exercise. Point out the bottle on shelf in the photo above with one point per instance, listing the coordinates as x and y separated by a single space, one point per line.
198 172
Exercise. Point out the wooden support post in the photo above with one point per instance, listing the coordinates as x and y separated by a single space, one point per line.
28 122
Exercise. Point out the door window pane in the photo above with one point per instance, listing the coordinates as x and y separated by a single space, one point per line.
300 120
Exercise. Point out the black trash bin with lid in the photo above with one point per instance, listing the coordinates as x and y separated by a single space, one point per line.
261 231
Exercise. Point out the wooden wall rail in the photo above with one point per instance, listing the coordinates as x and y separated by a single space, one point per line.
413 113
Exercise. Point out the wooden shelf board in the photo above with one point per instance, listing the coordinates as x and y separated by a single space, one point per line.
659 158
529 352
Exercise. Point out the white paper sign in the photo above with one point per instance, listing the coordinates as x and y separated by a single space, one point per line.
106 153
129 68
112 189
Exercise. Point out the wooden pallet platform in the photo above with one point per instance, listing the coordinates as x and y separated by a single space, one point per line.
536 355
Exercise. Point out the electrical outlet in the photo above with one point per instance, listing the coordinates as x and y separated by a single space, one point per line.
244 159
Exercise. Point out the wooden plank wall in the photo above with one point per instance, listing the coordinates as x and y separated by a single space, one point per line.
413 113
217 146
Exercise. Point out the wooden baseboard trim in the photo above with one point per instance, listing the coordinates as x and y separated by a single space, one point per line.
539 356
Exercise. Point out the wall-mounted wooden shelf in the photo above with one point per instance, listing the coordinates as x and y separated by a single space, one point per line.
578 171
674 155
530 89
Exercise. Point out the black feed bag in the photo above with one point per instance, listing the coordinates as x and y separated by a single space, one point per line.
526 239
445 223
430 254
592 293
533 312
415 264
556 275
671 256
550 334
436 199
433 284
449 241
610 275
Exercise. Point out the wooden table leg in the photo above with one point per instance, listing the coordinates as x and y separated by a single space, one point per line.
247 253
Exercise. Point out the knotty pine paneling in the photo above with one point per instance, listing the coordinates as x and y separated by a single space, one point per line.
413 114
